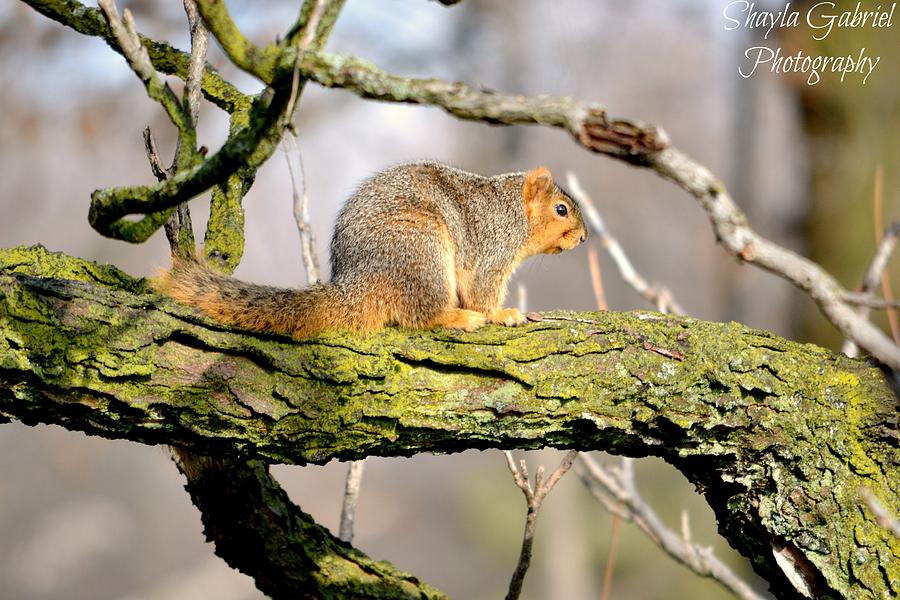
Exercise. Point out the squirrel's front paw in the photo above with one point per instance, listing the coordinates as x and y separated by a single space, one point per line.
508 316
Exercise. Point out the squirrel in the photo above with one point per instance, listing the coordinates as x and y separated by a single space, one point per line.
418 245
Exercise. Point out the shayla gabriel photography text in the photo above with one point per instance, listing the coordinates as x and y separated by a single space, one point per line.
823 19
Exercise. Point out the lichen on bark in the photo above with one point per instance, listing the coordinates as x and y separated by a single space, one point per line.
779 436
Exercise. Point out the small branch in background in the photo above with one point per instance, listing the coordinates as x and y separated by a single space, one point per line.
597 278
609 571
301 212
534 497
874 273
657 295
879 227
870 301
351 498
884 519
307 37
614 487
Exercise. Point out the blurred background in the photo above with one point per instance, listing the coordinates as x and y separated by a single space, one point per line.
96 519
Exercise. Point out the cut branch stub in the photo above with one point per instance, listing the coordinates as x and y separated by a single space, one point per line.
618 136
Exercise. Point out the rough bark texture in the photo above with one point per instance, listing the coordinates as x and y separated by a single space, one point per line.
779 436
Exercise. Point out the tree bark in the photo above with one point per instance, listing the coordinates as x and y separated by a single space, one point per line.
779 436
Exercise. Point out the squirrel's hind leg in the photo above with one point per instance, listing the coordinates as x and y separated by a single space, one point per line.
459 318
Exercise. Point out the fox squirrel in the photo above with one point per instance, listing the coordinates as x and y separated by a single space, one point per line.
418 245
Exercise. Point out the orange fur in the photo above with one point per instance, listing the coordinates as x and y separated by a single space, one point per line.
459 318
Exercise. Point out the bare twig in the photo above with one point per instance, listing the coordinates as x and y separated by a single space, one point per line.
614 487
308 35
877 266
884 519
878 206
351 498
159 171
734 233
301 211
125 32
306 38
659 296
870 301
534 496
611 558
597 278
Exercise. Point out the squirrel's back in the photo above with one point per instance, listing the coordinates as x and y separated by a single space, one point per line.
476 212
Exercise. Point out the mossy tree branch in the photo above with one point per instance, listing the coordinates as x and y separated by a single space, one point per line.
779 436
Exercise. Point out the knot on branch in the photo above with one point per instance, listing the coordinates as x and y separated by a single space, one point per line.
628 139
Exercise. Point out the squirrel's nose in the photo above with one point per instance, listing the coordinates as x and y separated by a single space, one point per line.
583 236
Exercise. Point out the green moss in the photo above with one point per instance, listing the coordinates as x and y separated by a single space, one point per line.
780 435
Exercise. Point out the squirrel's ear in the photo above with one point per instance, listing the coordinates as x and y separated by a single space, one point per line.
538 182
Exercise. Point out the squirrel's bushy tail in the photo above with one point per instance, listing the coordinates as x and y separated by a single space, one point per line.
296 312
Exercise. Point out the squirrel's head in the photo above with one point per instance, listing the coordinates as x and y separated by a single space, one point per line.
555 223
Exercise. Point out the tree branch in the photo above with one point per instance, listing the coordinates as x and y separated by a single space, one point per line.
534 498
588 123
779 436
257 528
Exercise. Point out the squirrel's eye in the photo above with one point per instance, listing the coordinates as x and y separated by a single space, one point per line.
562 210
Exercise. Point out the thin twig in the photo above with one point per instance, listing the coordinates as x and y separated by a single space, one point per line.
614 487
159 171
351 498
657 295
534 496
609 571
888 293
125 32
870 301
301 211
307 37
877 266
597 278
